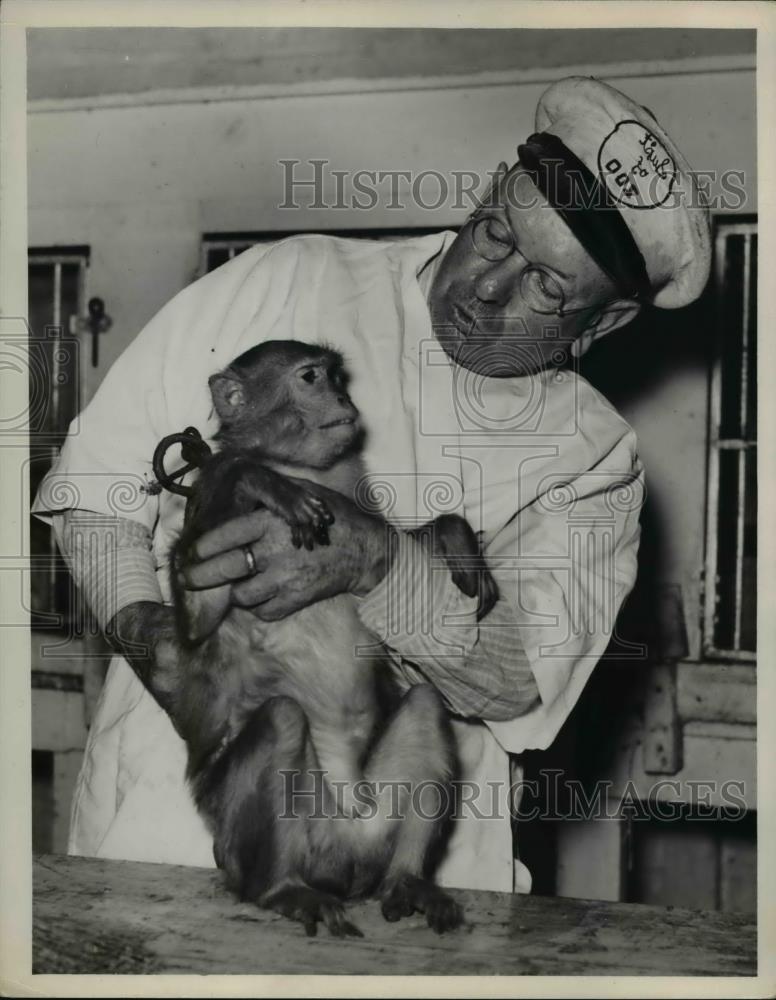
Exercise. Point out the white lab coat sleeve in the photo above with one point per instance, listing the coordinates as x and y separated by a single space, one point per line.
565 563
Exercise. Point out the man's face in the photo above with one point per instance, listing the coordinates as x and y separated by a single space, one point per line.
478 306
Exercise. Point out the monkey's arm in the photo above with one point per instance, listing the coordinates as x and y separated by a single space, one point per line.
306 513
481 669
289 578
234 484
563 570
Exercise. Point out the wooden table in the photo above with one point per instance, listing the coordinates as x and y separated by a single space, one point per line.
94 916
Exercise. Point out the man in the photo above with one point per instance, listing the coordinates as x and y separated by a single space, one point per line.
456 346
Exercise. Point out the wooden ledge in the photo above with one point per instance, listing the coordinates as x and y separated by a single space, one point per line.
95 916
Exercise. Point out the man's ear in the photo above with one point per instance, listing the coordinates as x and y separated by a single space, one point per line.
487 199
616 314
228 394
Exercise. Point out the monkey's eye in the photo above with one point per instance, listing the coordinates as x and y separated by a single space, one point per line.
310 375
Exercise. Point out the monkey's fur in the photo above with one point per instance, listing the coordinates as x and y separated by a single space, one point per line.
255 698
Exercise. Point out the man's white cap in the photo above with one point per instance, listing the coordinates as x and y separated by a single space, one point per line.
640 171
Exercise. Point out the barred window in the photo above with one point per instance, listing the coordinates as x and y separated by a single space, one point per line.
730 618
217 250
57 278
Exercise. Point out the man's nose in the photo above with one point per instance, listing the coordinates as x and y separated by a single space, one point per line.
497 285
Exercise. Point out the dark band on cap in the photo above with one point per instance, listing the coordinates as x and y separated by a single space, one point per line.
587 208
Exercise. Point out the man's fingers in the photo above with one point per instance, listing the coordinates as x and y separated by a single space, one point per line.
253 591
273 611
231 535
223 568
267 595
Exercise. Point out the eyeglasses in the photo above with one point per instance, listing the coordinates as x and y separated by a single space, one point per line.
494 240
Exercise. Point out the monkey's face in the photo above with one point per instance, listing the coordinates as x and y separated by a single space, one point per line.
289 401
321 424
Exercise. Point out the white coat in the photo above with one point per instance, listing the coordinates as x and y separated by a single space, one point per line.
543 464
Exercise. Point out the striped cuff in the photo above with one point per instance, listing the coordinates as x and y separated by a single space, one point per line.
110 560
416 609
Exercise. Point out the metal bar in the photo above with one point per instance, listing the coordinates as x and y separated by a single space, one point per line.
740 444
741 485
739 548
85 377
715 410
744 369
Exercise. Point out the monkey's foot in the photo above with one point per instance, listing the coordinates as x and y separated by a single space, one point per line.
409 893
311 907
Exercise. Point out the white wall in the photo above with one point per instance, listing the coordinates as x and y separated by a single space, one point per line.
140 184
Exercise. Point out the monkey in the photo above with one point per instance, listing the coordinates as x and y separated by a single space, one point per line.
282 720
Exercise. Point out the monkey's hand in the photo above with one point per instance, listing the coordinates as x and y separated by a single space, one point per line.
453 538
306 514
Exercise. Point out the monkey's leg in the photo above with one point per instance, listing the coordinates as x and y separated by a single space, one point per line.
415 761
261 797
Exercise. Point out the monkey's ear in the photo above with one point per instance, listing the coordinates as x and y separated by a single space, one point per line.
228 395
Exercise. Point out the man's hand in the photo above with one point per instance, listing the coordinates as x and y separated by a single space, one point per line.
288 577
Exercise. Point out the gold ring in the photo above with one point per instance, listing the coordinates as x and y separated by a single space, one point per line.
250 562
